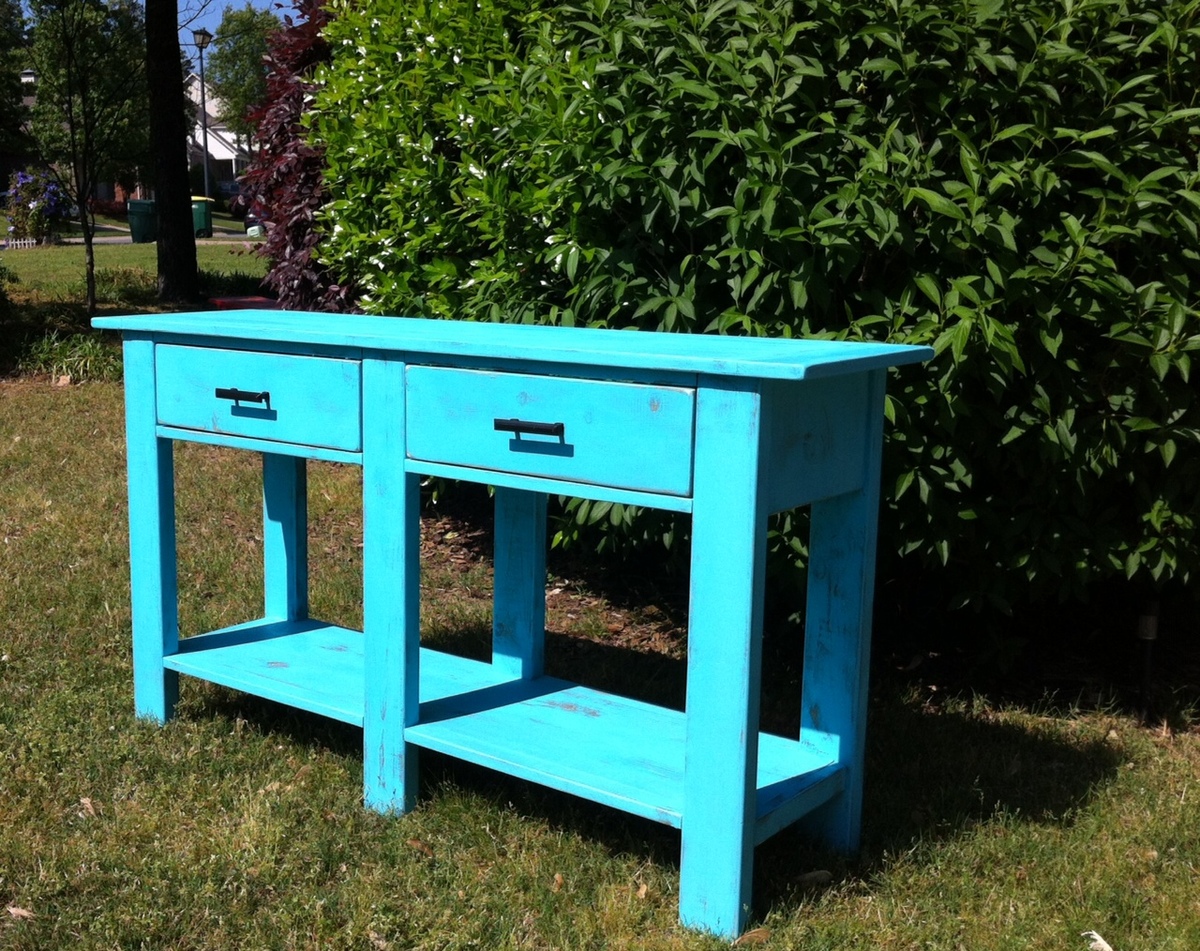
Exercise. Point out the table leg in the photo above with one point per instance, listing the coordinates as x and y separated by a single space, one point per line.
152 567
285 537
837 636
724 665
391 594
519 610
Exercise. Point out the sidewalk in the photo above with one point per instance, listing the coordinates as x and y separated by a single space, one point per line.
112 235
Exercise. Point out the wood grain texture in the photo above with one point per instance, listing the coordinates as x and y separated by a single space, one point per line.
453 341
285 537
519 592
391 594
312 400
724 657
837 632
153 584
624 435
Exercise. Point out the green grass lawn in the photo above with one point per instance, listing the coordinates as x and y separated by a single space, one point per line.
46 328
239 825
988 825
57 272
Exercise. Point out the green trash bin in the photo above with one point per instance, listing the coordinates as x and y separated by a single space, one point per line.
202 216
143 221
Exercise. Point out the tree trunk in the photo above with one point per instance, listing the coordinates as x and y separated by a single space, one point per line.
177 277
89 257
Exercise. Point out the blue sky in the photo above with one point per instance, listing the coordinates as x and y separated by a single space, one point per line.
194 14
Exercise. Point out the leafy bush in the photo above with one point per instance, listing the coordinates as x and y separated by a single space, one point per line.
1013 182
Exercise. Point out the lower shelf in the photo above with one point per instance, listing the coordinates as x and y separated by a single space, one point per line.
609 749
312 666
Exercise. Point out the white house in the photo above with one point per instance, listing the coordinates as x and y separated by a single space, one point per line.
228 153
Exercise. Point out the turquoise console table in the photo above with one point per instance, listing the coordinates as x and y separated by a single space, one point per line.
727 429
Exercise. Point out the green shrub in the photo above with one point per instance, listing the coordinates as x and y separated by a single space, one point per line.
122 285
1013 182
82 357
236 283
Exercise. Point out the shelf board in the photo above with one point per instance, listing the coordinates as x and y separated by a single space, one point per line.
306 664
311 665
620 752
613 750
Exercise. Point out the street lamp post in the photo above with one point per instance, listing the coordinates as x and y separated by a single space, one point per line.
202 38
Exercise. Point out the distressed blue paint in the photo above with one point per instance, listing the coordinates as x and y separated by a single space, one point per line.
151 540
837 634
285 537
305 664
453 340
603 493
258 445
815 444
616 434
312 400
728 429
391 593
724 658
519 611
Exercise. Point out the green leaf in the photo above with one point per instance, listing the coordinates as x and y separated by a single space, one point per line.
1011 132
1160 363
935 202
962 336
1101 162
929 288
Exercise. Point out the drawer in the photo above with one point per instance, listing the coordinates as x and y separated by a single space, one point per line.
623 435
310 401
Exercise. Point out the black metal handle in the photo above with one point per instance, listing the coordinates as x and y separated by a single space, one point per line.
243 396
520 426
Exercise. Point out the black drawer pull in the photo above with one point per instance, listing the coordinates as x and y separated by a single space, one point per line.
243 396
520 426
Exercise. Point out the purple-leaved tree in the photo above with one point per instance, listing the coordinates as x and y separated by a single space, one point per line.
287 174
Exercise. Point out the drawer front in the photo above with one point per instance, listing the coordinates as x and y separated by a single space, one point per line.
623 435
310 401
